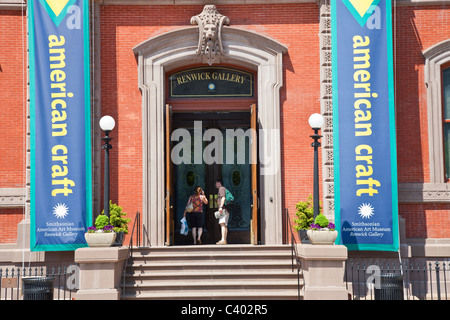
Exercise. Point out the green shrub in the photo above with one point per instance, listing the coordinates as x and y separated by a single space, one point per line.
304 214
101 221
322 221
117 218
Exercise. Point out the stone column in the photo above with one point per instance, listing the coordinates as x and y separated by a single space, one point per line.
100 272
323 271
326 108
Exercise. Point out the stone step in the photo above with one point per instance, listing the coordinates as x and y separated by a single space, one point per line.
182 259
255 266
213 284
211 249
213 295
212 272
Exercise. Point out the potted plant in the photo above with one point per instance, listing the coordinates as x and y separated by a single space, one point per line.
101 234
304 217
117 218
322 231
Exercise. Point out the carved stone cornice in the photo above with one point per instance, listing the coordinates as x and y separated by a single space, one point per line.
423 192
12 197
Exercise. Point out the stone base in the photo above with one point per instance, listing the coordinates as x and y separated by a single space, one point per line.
100 272
323 271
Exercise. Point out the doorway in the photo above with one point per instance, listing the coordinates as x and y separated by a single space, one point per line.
229 159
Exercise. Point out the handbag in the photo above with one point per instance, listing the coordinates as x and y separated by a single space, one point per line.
190 206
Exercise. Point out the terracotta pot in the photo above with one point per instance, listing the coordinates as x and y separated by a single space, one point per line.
98 239
322 236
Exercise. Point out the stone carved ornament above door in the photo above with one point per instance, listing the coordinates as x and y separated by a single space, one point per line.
210 23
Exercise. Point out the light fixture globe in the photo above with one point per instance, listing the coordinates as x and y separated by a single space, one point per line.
316 121
107 123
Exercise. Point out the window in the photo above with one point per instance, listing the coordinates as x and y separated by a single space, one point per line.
446 117
437 64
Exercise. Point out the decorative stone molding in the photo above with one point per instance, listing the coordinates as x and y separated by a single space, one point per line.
12 4
326 109
433 248
398 3
177 49
210 23
435 57
12 197
423 192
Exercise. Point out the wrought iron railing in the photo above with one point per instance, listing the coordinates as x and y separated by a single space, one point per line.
419 279
290 239
131 244
64 286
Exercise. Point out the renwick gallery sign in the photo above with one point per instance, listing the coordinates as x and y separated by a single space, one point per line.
205 82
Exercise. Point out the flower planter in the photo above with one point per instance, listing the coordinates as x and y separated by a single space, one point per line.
322 236
100 239
119 239
303 236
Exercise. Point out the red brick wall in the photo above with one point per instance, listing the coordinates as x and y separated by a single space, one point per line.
296 26
12 99
9 219
417 28
427 220
12 115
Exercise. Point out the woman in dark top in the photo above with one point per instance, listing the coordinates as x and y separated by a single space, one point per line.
195 218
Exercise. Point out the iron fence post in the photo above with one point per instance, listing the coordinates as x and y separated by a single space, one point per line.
438 281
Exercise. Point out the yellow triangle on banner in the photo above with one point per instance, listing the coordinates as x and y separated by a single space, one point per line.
57 5
362 6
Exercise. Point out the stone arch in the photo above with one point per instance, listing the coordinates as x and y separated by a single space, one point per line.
176 49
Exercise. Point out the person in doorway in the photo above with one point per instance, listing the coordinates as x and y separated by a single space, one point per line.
195 218
224 211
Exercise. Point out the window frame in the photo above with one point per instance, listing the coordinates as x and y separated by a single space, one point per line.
436 57
444 66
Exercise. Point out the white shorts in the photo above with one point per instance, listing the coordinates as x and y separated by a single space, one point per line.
225 217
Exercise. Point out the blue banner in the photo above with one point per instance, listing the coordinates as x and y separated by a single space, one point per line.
60 175
365 159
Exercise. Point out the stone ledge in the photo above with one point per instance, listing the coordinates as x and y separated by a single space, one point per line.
101 255
98 294
429 247
12 197
423 192
322 252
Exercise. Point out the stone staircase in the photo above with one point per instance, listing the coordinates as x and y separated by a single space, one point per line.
212 272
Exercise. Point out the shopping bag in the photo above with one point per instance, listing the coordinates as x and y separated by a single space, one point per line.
184 227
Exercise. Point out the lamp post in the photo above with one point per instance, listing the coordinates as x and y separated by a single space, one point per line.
107 123
316 122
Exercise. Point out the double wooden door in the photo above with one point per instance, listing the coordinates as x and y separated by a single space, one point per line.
240 178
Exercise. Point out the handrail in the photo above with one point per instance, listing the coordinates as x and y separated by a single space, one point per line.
137 221
293 244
